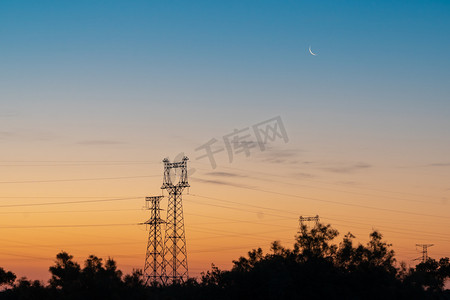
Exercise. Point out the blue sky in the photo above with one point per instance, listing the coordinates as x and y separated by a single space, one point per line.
234 47
136 81
382 67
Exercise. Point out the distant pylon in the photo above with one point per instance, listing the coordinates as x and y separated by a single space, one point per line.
424 251
175 254
154 258
303 219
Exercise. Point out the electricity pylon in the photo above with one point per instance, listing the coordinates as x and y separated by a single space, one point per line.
303 219
424 252
175 254
154 258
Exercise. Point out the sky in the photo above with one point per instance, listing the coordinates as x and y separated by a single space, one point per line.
94 94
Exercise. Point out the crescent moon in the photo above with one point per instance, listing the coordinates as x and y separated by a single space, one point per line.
311 51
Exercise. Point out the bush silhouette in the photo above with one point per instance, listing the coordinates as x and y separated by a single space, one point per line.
6 277
315 268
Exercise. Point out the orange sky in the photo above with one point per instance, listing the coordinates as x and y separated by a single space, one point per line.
238 206
93 96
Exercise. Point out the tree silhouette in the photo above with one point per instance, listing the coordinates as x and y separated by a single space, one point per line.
28 289
6 277
135 279
65 273
430 274
315 268
315 242
101 281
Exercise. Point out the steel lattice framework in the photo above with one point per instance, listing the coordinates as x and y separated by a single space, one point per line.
315 219
154 258
424 257
175 254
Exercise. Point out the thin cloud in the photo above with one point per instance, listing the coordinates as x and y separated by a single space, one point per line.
279 156
221 182
347 182
28 135
224 174
5 134
303 175
100 142
7 115
440 165
349 168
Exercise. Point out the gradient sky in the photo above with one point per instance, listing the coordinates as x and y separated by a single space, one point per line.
94 94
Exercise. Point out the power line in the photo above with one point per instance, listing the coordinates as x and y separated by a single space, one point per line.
318 181
232 208
396 228
212 198
344 191
241 221
383 227
227 201
66 226
60 197
240 203
206 197
77 179
70 211
234 220
290 212
78 161
68 202
24 256
338 203
402 233
76 164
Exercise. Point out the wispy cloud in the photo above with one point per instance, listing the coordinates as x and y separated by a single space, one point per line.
28 136
280 156
347 182
100 142
5 134
224 174
439 165
7 115
303 175
221 182
348 168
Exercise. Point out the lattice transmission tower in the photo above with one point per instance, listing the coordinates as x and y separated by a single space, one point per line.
154 258
424 257
303 219
175 254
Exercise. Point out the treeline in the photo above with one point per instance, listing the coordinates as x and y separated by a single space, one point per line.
315 268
